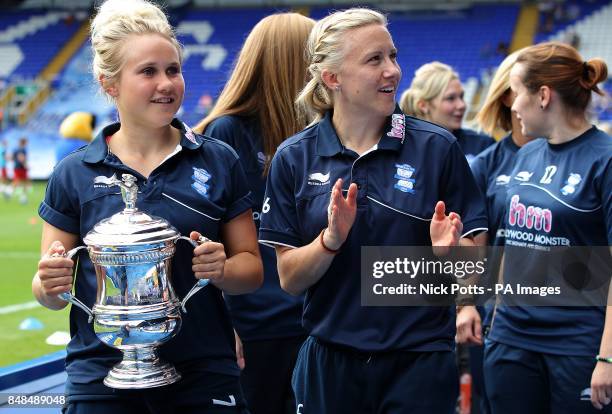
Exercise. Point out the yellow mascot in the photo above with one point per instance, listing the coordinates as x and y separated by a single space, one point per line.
76 131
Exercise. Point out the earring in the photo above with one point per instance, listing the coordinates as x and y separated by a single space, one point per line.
542 107
337 88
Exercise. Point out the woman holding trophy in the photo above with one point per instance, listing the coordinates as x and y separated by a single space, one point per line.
194 182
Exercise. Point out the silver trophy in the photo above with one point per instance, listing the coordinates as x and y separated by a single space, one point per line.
136 309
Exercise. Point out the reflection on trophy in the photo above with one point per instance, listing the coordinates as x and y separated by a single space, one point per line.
136 309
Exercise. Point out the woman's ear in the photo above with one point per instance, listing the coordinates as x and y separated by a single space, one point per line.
423 106
107 86
330 80
545 96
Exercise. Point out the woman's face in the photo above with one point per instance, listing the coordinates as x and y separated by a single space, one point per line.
150 87
369 74
448 108
525 104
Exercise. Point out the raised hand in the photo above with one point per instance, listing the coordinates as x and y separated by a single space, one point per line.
208 260
445 230
55 271
340 215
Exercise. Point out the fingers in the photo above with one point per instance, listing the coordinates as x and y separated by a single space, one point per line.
239 352
209 260
56 249
351 196
194 235
439 211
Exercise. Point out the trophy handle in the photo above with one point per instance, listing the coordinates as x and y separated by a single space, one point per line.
69 297
201 282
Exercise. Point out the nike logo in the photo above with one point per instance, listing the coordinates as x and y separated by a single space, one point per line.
230 403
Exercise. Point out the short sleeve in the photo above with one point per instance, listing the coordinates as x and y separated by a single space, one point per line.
461 193
60 208
223 129
240 196
279 222
478 166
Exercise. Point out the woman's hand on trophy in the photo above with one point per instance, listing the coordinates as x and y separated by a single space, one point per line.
208 260
55 270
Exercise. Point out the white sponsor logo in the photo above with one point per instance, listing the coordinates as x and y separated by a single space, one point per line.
570 185
548 174
104 182
502 179
318 178
523 176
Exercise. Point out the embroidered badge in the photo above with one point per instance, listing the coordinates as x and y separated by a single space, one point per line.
189 134
398 127
404 174
201 182
570 185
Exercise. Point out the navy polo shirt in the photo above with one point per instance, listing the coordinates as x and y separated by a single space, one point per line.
269 312
569 188
399 181
492 169
199 187
471 142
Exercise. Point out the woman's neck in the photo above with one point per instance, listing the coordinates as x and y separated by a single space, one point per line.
357 133
143 150
568 128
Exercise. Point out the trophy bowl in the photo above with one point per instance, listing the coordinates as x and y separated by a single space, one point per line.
136 308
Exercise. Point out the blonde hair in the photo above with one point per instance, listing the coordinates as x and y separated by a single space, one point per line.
115 21
268 74
494 114
430 80
325 50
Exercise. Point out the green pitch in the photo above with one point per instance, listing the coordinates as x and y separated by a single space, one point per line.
20 230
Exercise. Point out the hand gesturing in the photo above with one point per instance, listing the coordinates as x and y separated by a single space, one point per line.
445 230
340 215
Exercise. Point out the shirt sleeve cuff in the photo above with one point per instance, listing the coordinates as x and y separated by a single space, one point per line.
238 207
57 219
272 238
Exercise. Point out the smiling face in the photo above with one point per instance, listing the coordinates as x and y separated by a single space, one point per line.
150 86
448 108
525 105
369 74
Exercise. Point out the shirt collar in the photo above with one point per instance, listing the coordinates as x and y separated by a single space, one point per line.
98 149
328 143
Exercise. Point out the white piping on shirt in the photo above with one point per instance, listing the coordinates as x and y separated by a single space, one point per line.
190 208
273 244
399 211
561 201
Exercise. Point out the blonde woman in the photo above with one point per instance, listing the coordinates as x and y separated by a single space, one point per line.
254 114
137 61
332 189
436 95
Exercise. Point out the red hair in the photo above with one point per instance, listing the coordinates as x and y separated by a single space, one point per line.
560 67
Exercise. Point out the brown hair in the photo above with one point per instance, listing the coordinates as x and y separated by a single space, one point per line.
561 67
267 76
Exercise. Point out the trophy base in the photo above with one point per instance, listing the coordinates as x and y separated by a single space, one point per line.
139 369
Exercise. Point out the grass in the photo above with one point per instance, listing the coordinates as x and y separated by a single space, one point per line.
20 229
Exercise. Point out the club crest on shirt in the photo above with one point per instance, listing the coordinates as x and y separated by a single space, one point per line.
398 127
523 176
318 178
404 174
502 179
201 181
570 185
